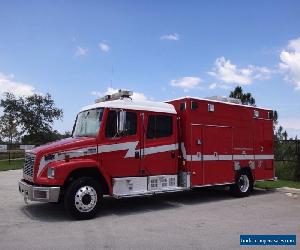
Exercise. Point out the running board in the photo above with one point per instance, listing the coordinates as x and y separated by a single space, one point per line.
153 192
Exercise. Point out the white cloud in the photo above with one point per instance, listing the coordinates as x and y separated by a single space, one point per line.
292 133
96 93
227 72
136 95
292 125
290 62
224 86
9 84
186 83
260 73
80 51
212 86
172 37
104 47
215 85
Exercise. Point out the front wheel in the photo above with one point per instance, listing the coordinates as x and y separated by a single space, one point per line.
82 198
243 185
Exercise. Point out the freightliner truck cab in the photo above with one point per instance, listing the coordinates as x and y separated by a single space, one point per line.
119 147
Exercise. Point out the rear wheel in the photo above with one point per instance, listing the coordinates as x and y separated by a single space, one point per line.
83 197
243 184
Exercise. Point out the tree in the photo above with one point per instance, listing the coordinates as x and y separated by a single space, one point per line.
67 134
10 120
38 114
9 128
31 116
246 98
281 134
275 122
275 117
37 139
285 135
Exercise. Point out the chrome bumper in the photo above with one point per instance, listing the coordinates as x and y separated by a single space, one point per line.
38 193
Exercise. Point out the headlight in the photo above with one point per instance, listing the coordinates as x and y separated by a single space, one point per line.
51 173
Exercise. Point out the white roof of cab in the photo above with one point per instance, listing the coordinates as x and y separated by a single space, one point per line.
127 103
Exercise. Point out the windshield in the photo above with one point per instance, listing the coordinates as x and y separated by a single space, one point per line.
88 123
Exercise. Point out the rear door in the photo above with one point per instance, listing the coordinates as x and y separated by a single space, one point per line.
259 149
268 149
159 150
263 149
119 153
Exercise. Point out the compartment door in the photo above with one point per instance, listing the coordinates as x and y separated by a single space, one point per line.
196 156
217 155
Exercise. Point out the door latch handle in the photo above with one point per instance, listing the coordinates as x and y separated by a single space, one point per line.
137 155
173 154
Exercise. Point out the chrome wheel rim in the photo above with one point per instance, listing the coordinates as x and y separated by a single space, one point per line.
243 183
85 199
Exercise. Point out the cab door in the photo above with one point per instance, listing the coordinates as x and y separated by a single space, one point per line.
159 149
119 153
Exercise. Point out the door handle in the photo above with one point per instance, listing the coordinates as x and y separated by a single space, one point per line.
137 155
173 154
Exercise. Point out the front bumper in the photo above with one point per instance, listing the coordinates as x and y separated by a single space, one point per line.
38 193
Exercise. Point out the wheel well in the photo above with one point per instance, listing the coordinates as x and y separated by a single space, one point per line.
87 172
248 171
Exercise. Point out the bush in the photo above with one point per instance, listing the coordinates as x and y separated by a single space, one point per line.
286 170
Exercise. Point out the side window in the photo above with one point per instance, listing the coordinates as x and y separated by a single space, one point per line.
151 127
131 123
163 126
159 126
111 129
111 124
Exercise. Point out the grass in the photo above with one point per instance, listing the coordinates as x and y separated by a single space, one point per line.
14 164
277 184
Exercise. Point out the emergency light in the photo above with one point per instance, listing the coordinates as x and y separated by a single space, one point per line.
122 93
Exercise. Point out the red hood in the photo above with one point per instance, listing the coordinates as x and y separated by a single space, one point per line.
64 145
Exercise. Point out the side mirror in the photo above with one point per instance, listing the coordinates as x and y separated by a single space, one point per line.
122 122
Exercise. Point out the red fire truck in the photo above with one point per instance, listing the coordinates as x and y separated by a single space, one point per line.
122 148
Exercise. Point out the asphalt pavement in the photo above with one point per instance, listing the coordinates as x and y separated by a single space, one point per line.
198 219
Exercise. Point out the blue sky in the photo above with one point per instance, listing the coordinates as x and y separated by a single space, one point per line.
159 49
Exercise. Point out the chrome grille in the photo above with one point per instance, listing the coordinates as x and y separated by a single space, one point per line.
29 166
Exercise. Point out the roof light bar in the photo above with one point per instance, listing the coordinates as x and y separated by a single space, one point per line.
122 93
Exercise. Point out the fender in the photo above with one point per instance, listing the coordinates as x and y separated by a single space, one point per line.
63 170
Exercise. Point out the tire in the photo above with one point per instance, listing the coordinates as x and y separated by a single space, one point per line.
82 198
243 184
